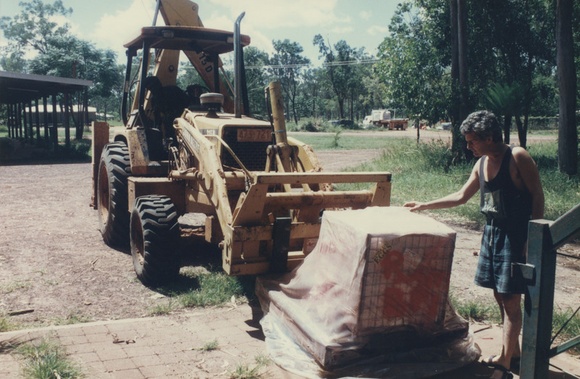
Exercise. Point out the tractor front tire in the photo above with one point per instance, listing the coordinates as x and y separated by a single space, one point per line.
114 169
155 240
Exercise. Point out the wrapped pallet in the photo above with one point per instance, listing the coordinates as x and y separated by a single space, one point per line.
376 284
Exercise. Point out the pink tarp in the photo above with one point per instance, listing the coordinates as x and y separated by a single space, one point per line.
375 285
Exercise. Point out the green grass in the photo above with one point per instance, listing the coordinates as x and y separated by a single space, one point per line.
14 286
38 150
210 346
423 172
73 318
5 324
570 325
245 371
263 360
488 311
204 286
47 360
163 309
214 289
476 310
338 140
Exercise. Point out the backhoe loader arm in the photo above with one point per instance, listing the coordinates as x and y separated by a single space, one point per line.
185 13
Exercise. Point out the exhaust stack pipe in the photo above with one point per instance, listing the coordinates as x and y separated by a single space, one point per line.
238 64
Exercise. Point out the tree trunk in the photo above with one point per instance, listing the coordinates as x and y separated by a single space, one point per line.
507 123
567 133
462 51
341 107
456 143
351 105
522 131
314 101
460 89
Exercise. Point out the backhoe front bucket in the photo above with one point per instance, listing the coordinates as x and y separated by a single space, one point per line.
255 227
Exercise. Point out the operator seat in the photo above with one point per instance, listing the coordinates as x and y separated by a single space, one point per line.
167 104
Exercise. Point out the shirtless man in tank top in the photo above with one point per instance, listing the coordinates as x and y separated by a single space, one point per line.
510 195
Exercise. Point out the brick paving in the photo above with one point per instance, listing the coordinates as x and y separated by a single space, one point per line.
156 347
171 346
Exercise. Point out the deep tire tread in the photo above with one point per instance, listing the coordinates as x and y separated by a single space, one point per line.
115 160
156 262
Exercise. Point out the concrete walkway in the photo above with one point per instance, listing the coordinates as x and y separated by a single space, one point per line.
175 346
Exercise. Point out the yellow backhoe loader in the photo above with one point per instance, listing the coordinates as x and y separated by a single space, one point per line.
260 194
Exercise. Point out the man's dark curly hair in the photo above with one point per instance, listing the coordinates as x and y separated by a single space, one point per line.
483 124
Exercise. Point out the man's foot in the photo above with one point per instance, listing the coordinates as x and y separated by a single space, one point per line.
514 362
490 361
500 372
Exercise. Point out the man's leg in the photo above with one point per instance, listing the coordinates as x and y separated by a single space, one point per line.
499 298
512 324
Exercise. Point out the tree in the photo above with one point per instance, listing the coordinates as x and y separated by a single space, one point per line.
416 77
30 31
71 57
311 92
255 61
509 43
567 132
362 70
57 51
340 61
506 101
375 92
13 61
34 27
504 42
287 65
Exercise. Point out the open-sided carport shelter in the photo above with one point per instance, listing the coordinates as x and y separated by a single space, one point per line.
27 96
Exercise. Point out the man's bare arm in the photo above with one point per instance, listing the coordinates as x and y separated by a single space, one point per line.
531 178
466 192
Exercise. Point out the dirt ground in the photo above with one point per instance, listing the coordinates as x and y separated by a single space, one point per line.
55 269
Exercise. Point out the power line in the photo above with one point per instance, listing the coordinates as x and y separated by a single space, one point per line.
325 64
349 63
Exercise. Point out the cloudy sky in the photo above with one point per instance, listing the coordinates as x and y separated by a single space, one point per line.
361 23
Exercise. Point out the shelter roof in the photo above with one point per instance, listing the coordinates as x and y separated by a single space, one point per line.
22 88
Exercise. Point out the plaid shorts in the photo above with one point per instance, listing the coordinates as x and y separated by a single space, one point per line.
499 249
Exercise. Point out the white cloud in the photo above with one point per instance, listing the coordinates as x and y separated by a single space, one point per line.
272 14
378 30
114 30
365 15
342 30
264 21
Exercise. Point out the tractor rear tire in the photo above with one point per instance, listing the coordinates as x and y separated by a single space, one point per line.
155 240
114 169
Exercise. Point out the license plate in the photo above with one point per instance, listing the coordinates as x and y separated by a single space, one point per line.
254 135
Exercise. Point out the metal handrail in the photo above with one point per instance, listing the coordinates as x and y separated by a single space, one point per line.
544 237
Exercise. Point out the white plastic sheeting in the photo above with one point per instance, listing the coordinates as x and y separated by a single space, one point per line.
373 290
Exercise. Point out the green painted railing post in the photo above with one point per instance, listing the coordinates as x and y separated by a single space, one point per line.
539 302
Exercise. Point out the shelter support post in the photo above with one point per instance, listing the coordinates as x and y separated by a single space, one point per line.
54 135
45 120
66 121
37 121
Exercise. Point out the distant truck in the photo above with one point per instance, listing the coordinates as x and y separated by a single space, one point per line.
382 117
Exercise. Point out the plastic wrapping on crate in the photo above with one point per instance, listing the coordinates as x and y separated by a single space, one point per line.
376 283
